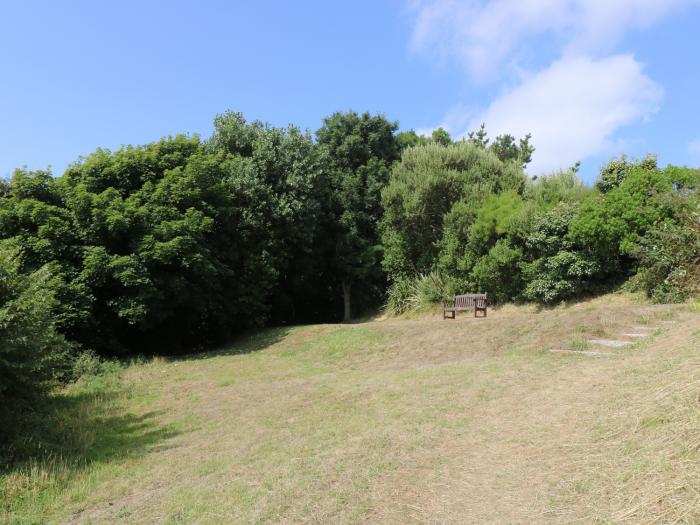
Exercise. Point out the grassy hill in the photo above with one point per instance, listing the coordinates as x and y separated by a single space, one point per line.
393 421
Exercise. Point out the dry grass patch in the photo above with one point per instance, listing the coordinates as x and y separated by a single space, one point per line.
394 421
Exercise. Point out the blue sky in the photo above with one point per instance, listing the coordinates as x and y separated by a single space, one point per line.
589 78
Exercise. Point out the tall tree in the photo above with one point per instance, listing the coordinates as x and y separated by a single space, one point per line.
361 149
432 199
505 146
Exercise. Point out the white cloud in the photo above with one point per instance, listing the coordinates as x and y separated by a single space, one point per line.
572 108
575 105
482 35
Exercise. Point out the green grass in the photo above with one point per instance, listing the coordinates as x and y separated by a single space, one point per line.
343 424
580 344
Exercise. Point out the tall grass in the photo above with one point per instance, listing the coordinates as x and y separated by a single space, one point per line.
419 293
71 431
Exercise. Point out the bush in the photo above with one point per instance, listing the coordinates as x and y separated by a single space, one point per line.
557 268
418 293
33 355
561 276
432 288
498 274
425 187
669 260
401 295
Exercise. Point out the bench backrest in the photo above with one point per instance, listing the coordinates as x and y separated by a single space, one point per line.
470 300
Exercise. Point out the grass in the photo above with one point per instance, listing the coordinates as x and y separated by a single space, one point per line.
395 421
580 344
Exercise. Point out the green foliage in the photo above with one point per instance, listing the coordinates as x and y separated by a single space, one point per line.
475 252
406 139
561 276
548 191
432 288
616 171
175 243
669 255
184 242
400 295
441 136
504 147
418 293
353 139
424 188
360 150
613 223
33 354
507 149
557 268
493 219
498 274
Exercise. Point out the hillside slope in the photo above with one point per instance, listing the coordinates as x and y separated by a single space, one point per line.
396 421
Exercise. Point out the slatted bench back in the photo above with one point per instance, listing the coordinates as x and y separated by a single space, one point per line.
470 301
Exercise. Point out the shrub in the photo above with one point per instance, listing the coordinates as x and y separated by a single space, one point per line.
669 260
561 276
497 273
558 267
33 355
418 293
400 295
423 189
614 172
432 288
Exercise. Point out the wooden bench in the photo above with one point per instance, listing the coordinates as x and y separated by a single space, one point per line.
465 303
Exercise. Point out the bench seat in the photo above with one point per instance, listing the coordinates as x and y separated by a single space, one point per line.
476 302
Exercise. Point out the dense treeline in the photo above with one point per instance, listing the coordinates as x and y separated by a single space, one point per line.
185 242
459 218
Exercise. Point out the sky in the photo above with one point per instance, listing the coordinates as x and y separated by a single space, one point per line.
589 79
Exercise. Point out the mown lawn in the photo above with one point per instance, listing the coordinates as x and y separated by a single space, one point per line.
395 421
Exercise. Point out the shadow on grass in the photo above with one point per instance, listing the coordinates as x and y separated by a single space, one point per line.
247 343
83 427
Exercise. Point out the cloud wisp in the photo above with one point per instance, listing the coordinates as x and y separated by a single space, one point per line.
574 105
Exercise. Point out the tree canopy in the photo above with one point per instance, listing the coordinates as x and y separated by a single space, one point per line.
183 243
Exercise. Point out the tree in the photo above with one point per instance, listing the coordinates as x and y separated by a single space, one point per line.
479 137
177 243
432 199
409 138
33 354
616 170
441 136
361 149
507 149
556 267
612 223
668 254
504 147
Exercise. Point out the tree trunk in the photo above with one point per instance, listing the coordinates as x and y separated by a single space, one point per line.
346 301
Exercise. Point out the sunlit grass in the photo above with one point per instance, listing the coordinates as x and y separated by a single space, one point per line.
334 423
